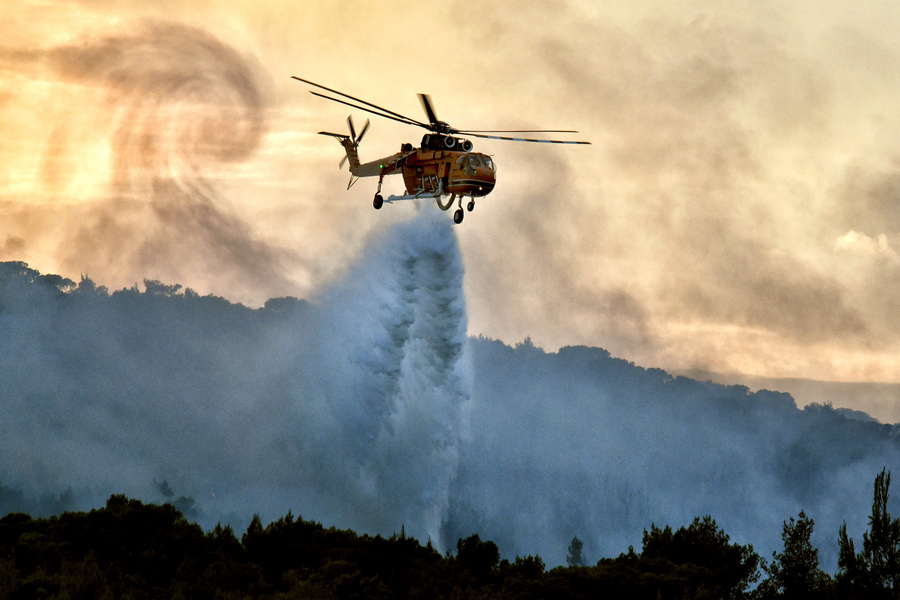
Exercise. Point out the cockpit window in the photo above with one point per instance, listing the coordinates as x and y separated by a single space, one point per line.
472 161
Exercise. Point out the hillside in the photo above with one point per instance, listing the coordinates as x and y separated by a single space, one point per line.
390 417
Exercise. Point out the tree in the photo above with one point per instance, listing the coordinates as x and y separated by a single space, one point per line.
479 558
574 557
875 571
154 287
795 572
724 569
531 566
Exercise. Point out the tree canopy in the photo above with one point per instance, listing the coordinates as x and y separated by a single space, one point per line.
129 549
874 572
795 572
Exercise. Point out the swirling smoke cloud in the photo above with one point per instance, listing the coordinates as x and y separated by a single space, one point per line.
167 106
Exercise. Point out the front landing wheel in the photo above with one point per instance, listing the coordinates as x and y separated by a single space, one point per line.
471 205
458 216
378 202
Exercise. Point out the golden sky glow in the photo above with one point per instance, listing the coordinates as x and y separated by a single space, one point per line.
738 211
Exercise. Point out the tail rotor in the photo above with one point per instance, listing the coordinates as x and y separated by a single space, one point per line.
356 139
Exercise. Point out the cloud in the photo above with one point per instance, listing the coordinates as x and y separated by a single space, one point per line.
184 97
11 245
746 287
865 240
860 243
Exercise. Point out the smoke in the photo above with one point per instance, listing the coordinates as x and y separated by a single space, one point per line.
581 443
732 148
348 409
367 407
166 109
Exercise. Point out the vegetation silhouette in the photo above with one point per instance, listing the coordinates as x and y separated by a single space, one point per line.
129 549
874 572
795 572
574 557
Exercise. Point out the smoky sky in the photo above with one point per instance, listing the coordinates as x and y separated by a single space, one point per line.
734 212
367 406
726 195
180 106
712 202
322 401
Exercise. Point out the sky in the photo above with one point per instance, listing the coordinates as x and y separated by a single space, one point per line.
736 211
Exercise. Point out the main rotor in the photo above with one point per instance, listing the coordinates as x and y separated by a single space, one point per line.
433 125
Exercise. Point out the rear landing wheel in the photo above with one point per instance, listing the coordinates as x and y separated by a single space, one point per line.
378 202
458 216
471 205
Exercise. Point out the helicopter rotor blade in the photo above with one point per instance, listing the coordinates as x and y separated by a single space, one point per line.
433 124
404 120
474 131
362 133
340 136
394 115
516 139
425 99
352 129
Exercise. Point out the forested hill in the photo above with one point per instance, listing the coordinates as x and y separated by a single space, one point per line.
368 408
580 441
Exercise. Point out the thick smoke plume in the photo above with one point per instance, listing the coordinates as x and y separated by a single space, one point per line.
581 443
368 407
347 410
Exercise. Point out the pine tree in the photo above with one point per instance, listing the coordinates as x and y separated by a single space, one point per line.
876 569
795 572
574 557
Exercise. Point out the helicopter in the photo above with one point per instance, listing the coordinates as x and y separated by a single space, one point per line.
443 165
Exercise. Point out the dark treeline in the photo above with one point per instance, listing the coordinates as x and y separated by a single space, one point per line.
133 550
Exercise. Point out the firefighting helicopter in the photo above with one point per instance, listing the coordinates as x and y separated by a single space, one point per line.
444 165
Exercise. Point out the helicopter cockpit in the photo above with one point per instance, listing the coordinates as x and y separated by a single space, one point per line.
472 161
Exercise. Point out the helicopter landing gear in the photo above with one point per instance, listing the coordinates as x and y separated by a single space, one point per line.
378 202
459 214
471 205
